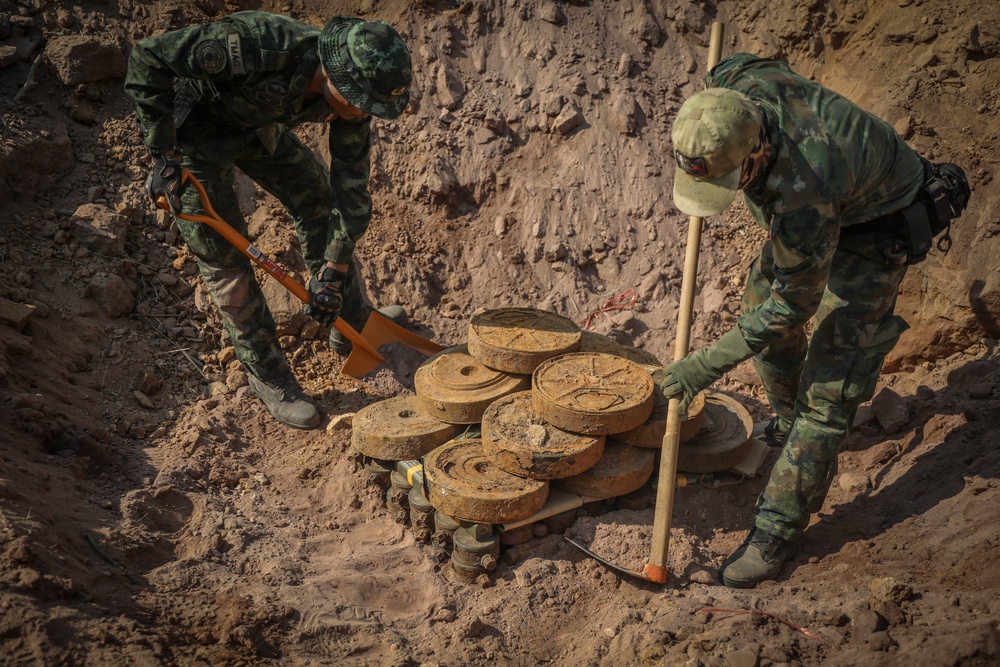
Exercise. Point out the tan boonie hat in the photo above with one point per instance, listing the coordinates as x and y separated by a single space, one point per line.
714 132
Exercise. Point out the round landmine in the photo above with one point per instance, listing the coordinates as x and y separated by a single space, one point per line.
650 433
398 429
592 393
591 341
621 470
455 388
644 358
519 441
595 342
723 441
464 484
517 340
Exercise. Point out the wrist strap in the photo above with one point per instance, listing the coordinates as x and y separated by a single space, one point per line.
331 275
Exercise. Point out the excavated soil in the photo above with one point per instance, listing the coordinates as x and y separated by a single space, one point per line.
152 513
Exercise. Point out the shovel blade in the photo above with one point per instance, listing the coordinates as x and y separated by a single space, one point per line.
378 331
644 575
360 363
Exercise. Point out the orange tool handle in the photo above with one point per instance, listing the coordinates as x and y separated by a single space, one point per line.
215 221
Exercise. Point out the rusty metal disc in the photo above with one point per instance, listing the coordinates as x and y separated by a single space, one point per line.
591 341
517 340
398 429
522 443
454 387
592 393
650 433
724 439
622 469
464 484
644 358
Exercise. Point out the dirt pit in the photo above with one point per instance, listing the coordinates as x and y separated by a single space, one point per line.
151 511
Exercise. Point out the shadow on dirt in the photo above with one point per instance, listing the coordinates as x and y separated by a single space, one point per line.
953 430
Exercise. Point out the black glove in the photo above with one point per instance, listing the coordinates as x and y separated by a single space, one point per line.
327 288
165 178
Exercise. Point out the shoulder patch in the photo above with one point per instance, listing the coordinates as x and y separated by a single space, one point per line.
210 56
235 48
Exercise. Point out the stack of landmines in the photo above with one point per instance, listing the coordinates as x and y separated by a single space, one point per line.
513 428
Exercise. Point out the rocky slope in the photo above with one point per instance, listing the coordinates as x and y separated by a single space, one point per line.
152 513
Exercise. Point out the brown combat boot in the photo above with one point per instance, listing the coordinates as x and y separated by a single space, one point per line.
285 401
758 559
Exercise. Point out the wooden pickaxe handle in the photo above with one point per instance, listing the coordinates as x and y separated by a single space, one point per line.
656 568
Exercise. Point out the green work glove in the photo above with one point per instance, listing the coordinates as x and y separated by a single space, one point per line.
698 370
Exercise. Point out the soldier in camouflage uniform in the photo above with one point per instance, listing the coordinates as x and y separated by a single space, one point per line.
825 179
225 94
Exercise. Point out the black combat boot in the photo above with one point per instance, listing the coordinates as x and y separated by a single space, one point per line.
285 401
342 346
758 559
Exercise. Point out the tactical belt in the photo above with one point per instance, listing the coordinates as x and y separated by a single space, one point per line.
906 236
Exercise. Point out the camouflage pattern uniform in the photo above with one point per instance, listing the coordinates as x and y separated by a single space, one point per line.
226 94
835 166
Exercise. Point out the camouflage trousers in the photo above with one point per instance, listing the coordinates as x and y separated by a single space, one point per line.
816 382
291 173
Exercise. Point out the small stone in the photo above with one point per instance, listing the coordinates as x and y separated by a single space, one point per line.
625 64
981 390
81 59
143 400
30 401
702 577
226 354
853 482
891 410
445 615
471 628
15 315
551 13
8 55
340 422
864 624
568 120
744 657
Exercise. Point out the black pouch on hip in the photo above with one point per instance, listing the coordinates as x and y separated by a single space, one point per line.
942 199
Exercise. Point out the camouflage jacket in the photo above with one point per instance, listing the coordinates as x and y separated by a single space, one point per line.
835 165
246 72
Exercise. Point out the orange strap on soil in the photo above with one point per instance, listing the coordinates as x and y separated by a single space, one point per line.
626 299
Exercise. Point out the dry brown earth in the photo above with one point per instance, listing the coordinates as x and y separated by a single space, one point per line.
151 512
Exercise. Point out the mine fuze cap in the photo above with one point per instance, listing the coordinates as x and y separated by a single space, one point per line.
368 63
715 131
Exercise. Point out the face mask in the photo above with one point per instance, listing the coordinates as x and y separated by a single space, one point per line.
755 163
